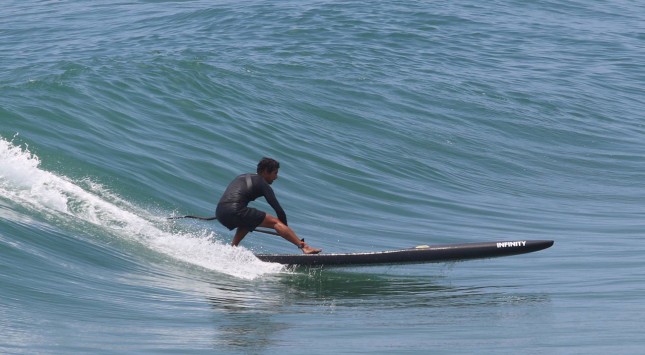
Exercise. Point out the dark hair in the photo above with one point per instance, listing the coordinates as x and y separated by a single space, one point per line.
268 165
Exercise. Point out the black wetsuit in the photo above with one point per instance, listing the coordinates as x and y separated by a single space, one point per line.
232 210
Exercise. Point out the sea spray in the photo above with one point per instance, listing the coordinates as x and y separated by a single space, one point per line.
24 182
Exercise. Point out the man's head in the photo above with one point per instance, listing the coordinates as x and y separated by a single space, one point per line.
268 169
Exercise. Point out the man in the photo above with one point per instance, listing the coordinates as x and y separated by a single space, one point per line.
233 211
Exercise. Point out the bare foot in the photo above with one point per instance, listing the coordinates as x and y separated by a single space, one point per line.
309 250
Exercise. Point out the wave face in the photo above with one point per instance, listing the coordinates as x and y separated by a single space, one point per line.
395 125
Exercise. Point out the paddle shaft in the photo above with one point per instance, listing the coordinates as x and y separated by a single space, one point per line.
266 231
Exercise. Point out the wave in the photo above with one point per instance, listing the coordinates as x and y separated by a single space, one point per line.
23 182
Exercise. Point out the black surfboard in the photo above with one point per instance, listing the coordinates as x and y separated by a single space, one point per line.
418 255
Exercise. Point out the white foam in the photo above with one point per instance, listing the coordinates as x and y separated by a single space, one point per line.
23 181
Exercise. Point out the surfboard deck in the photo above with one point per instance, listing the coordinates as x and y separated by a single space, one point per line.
417 255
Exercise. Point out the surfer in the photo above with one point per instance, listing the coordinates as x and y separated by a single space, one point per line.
233 211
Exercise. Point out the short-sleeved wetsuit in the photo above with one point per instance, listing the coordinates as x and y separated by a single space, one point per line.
232 210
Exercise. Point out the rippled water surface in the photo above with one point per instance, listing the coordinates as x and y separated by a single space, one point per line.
396 124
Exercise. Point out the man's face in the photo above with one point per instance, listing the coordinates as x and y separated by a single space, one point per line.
270 177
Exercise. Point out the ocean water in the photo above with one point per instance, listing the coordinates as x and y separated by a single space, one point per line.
395 123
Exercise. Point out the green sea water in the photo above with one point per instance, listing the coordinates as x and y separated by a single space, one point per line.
395 123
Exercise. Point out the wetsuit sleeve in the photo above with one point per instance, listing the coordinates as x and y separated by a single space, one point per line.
273 201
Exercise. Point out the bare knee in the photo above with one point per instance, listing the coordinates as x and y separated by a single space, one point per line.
270 221
273 222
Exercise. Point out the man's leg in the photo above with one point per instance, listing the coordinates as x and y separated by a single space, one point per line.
287 233
240 233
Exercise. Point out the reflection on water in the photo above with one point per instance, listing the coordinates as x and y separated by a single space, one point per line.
246 330
393 291
244 313
254 314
